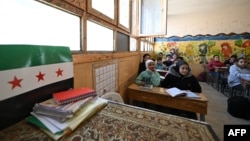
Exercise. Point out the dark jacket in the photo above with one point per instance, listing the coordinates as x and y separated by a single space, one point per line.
228 62
168 63
174 79
142 67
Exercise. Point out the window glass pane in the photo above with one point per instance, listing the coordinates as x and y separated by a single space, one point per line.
133 44
32 22
146 46
104 6
153 15
99 38
142 45
124 13
151 47
134 17
122 42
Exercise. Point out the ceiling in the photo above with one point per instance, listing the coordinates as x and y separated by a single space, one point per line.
176 7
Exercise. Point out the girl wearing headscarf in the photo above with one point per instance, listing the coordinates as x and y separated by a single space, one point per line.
180 76
142 66
150 76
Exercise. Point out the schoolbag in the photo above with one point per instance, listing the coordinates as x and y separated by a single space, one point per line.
202 77
239 106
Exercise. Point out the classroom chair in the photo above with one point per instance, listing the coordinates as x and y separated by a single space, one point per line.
113 96
235 92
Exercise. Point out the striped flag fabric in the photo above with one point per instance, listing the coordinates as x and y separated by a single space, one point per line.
31 73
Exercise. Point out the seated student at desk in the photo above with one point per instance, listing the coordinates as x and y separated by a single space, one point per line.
150 76
142 66
180 76
237 72
229 62
215 62
160 55
168 61
160 65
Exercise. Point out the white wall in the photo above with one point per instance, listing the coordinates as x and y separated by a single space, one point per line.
226 20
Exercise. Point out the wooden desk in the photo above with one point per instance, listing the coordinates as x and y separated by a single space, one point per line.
221 72
122 122
162 72
221 69
158 96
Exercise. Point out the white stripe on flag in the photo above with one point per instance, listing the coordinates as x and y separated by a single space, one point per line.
29 80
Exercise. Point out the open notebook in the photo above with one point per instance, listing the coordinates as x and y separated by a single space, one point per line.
177 92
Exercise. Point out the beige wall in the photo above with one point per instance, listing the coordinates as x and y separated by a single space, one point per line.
127 69
227 20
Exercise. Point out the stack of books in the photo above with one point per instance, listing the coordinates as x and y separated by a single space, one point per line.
62 113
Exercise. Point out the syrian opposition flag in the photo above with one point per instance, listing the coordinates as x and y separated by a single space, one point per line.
24 68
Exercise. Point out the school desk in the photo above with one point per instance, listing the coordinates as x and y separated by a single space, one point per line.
222 72
158 95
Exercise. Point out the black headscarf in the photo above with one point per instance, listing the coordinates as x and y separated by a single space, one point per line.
180 63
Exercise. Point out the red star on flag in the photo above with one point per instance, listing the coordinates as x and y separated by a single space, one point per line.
15 82
40 76
59 72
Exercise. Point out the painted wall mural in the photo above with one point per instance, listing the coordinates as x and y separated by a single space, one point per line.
200 49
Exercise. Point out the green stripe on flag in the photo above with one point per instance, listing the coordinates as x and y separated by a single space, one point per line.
21 56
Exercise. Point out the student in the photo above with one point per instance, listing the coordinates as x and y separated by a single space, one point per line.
160 65
168 61
150 76
229 62
160 55
142 66
174 57
215 62
180 76
178 58
173 52
237 72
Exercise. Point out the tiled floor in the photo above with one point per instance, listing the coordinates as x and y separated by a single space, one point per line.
217 115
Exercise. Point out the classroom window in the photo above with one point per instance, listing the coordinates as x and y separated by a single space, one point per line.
133 44
124 13
32 22
142 46
104 6
134 18
122 42
152 17
99 38
103 9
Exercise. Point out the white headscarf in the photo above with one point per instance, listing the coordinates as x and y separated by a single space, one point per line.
147 63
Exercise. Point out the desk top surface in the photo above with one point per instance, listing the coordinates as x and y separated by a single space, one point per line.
221 69
161 91
122 122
